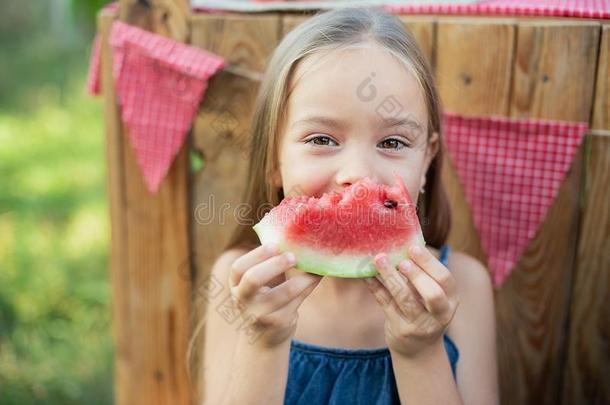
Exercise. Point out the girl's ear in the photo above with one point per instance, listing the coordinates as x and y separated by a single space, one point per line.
431 151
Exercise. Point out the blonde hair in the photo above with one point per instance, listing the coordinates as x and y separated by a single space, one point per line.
326 31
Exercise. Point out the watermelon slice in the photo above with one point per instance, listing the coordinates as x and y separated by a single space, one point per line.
340 233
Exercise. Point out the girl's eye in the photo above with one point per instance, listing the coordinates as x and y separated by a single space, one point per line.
390 143
394 143
324 140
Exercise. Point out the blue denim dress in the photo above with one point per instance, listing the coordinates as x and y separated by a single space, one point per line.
337 376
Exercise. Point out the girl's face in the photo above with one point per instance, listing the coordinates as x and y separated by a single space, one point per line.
353 113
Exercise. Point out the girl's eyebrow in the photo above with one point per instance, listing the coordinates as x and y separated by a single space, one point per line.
318 119
407 122
387 122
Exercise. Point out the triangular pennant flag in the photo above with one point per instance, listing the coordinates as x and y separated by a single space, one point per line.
511 171
93 76
160 83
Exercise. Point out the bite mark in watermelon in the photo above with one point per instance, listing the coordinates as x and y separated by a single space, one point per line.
340 233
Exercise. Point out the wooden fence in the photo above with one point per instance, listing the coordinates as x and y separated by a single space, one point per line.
553 317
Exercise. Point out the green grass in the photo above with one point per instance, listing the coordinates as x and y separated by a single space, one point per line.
55 313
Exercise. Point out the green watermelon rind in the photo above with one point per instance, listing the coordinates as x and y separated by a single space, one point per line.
329 263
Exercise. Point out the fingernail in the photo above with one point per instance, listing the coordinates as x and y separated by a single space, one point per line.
383 261
416 250
406 265
291 257
272 248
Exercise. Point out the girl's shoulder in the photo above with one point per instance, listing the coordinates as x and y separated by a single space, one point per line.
473 326
468 271
474 288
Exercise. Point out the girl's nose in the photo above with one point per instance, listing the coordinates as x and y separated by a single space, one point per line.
355 165
347 177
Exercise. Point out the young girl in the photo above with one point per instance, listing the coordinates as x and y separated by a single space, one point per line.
348 94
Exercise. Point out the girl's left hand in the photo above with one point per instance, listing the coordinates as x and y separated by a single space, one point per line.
419 300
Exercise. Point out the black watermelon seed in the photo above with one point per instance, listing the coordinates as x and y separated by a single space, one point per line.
390 203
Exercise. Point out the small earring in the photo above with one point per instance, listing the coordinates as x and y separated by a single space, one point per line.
421 190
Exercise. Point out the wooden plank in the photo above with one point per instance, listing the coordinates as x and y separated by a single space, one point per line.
532 305
169 18
423 29
540 78
473 79
157 245
119 277
221 135
587 373
601 108
290 21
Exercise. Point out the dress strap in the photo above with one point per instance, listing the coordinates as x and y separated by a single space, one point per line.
444 253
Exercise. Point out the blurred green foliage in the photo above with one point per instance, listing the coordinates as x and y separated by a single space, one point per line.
86 10
41 43
55 312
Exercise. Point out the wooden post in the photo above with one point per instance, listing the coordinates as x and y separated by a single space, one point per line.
587 369
150 254
533 304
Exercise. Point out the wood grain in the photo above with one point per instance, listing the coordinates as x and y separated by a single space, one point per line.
533 304
587 372
601 108
221 134
473 79
540 77
119 277
423 29
169 18
152 299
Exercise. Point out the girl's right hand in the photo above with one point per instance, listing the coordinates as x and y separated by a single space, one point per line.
260 289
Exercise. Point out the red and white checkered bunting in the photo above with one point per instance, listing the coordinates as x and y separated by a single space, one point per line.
160 83
551 8
511 171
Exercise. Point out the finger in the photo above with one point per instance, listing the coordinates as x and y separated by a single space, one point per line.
296 288
289 310
250 259
434 268
382 296
416 294
434 297
393 281
259 275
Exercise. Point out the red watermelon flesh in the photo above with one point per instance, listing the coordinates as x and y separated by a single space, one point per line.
340 233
